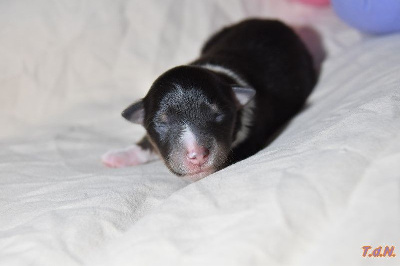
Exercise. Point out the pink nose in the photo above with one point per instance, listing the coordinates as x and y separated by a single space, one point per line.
197 155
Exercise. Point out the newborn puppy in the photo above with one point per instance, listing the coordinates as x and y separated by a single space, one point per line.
249 80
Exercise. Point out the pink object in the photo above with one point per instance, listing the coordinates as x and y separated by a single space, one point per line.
315 2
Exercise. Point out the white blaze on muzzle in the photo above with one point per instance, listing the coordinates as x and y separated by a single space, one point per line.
195 153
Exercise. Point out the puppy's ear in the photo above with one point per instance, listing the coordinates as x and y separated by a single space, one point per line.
134 113
243 95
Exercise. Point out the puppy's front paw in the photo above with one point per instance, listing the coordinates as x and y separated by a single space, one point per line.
130 156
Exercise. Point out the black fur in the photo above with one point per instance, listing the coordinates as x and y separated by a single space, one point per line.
267 55
275 62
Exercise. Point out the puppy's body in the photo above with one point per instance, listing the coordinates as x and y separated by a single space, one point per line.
250 79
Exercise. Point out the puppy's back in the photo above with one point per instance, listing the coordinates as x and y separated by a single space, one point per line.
263 51
271 58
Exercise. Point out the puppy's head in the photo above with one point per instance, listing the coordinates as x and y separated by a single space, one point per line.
190 115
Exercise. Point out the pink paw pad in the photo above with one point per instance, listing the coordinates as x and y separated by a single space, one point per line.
130 156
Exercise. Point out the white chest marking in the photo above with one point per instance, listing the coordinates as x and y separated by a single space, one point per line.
247 112
228 72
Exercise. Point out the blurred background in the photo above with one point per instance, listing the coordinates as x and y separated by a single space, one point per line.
59 57
86 60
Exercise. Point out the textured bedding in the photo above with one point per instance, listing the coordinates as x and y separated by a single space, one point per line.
324 188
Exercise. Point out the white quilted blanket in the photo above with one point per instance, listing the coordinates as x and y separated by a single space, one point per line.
326 187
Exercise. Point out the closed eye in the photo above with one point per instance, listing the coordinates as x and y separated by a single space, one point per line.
161 128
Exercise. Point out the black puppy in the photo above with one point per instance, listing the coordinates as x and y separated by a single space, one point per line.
250 79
